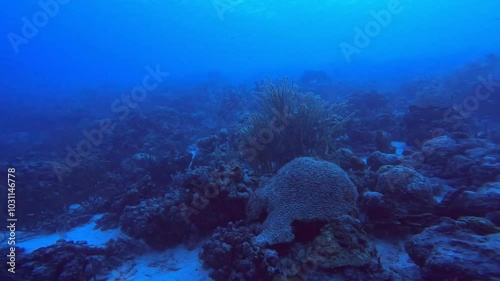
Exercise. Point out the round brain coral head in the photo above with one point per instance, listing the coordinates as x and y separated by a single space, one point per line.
305 189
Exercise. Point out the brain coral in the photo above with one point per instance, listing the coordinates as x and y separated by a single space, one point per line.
303 190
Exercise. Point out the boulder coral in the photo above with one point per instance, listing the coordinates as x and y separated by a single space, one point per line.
304 190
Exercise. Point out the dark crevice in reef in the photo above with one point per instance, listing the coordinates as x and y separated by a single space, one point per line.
305 232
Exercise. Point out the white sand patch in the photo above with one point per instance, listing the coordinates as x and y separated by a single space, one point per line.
178 264
394 257
439 198
94 237
400 146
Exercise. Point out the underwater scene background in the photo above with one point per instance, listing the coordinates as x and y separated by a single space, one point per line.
250 140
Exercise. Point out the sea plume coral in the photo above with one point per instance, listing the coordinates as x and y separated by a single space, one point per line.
289 124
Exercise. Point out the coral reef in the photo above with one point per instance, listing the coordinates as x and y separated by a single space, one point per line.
306 190
378 159
477 203
69 260
448 250
231 255
340 246
273 195
401 199
289 124
208 198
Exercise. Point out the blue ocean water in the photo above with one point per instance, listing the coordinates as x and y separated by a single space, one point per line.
120 113
90 44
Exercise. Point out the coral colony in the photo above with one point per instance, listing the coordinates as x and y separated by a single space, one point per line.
233 140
